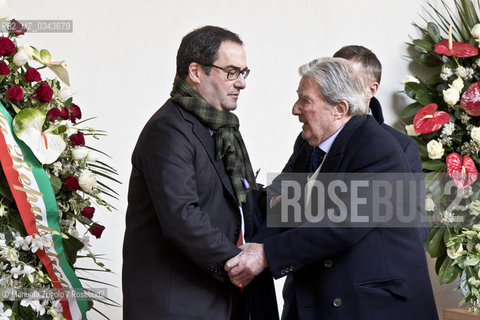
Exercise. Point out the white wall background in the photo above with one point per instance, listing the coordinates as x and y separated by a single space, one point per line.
121 60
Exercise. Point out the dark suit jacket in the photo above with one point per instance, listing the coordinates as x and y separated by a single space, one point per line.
182 224
354 273
409 146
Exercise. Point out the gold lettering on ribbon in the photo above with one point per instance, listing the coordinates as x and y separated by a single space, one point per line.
3 124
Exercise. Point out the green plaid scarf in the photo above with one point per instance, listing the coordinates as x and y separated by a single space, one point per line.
229 142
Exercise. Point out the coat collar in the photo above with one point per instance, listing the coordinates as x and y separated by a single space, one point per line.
332 161
206 140
376 108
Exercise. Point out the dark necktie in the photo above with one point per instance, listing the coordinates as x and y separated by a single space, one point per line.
317 158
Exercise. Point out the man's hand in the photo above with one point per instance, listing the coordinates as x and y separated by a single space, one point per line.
246 265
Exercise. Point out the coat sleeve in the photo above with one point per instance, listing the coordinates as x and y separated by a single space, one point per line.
167 162
303 246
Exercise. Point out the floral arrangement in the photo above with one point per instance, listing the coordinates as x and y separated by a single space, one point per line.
445 121
50 125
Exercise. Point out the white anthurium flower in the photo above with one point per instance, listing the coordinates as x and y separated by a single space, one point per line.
25 48
45 145
408 79
454 254
20 58
87 181
80 153
5 11
66 93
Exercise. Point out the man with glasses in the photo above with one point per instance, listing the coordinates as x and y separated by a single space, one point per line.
189 189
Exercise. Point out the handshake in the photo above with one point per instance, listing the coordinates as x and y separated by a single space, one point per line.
247 264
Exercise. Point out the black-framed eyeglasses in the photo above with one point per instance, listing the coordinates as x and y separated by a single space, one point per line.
232 72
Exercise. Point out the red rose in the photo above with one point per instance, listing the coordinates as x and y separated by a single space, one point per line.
71 183
17 28
53 114
64 113
6 46
87 212
32 75
75 113
77 139
43 93
4 70
97 230
15 93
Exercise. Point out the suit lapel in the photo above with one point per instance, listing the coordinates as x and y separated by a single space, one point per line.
302 162
206 140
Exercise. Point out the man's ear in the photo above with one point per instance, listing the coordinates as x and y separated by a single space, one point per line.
194 70
372 89
341 109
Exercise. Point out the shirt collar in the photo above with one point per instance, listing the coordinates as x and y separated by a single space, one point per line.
327 144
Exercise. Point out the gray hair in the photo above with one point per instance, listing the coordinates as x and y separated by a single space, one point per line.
337 81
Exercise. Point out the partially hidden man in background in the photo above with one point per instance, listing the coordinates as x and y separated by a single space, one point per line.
362 273
189 196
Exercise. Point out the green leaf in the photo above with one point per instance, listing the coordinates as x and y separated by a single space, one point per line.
447 235
423 97
472 261
436 247
434 32
71 246
464 287
434 165
410 110
56 183
448 272
411 89
428 60
422 149
423 45
438 263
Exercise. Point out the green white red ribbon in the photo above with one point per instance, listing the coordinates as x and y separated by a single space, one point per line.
35 199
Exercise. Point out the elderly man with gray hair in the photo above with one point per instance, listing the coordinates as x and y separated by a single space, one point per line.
367 272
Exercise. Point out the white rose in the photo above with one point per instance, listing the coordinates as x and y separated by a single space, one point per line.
457 84
20 58
65 94
476 31
435 149
87 181
4 9
410 79
475 134
411 130
79 153
429 204
451 96
92 156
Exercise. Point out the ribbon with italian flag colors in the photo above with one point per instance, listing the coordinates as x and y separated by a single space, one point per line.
35 199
